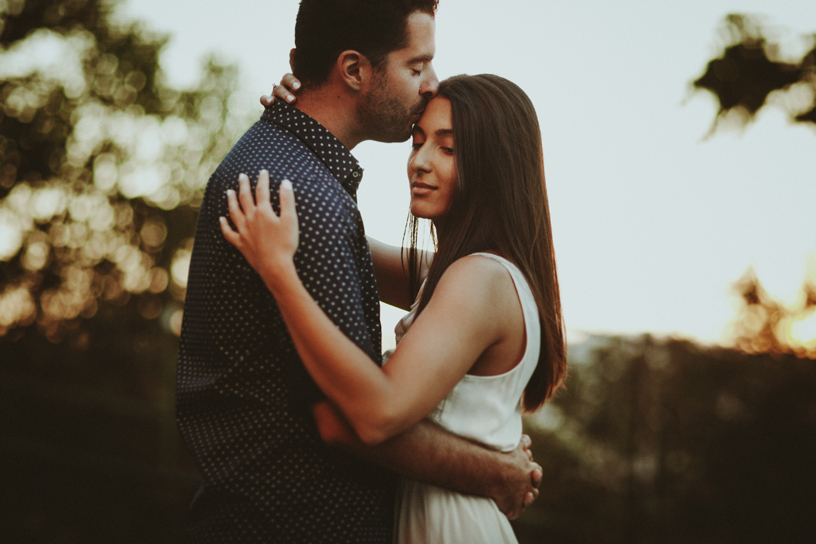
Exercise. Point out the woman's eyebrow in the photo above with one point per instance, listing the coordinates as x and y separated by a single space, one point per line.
444 132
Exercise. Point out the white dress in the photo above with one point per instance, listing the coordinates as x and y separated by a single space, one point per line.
486 409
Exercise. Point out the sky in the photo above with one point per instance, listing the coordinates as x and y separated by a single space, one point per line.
654 218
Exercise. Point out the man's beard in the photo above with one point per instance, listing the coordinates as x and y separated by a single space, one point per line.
384 119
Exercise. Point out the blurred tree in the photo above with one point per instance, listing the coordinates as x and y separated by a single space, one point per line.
101 168
667 441
751 67
765 325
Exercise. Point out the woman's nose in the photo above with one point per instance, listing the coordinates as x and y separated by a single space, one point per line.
419 160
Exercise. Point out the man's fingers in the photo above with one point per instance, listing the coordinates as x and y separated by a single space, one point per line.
287 201
245 194
530 498
262 189
515 514
526 441
537 475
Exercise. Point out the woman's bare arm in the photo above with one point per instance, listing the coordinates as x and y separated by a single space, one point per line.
455 328
424 451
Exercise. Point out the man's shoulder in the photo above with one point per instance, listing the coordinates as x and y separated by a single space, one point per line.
266 146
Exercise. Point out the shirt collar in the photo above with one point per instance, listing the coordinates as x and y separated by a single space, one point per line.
337 158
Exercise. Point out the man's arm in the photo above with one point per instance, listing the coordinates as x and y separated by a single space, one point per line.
424 452
392 274
430 454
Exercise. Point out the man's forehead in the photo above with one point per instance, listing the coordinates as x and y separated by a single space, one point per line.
421 46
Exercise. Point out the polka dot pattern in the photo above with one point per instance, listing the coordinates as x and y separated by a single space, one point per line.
242 392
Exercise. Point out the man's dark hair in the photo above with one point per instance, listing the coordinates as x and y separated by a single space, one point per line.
326 28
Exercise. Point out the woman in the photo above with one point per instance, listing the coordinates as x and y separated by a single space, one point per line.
484 335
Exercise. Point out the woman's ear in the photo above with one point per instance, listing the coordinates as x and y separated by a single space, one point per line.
354 69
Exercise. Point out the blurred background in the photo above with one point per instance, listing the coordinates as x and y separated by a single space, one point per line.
679 149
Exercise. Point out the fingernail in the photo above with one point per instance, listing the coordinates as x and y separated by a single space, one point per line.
264 172
290 98
286 184
296 85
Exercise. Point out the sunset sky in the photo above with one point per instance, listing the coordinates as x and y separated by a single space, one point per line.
653 221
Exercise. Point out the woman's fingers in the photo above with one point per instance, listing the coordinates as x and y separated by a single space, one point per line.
235 211
232 237
254 220
285 91
245 195
262 190
289 85
290 82
282 93
287 203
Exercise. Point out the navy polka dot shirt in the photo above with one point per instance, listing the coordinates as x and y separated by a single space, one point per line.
243 395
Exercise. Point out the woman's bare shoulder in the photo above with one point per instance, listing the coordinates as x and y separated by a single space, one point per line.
479 279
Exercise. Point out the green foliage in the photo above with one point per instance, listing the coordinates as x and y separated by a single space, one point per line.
765 325
102 166
751 68
743 78
670 442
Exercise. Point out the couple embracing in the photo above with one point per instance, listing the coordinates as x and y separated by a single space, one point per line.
303 432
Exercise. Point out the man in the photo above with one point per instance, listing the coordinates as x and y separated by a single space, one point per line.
244 398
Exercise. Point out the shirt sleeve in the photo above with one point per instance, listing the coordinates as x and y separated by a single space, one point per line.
332 261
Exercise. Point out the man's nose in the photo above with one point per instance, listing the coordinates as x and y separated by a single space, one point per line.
430 85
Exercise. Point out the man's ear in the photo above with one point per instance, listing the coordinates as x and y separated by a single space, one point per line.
354 69
292 59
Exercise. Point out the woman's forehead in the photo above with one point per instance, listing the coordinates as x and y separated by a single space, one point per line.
436 117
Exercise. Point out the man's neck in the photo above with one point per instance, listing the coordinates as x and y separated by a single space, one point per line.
334 111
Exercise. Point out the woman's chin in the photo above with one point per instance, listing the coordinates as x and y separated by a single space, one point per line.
420 212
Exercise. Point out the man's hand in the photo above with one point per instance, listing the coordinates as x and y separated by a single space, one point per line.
521 477
289 85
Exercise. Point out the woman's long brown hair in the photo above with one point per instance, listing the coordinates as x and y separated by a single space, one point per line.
500 205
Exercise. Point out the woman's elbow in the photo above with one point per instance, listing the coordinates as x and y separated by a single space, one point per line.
373 431
371 436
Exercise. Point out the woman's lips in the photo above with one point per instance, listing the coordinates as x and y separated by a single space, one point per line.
421 189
